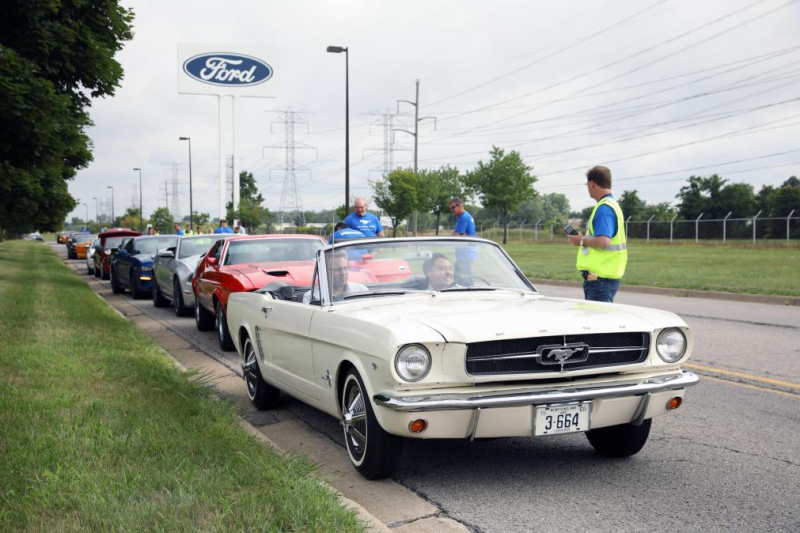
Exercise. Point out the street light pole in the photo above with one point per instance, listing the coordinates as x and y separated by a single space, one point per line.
191 208
87 214
113 218
96 210
141 210
339 50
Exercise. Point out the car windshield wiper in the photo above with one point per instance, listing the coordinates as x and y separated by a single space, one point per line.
464 289
372 293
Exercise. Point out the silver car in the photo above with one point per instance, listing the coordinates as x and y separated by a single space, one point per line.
90 256
174 268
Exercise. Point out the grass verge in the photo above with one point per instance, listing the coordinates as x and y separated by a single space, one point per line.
99 431
740 269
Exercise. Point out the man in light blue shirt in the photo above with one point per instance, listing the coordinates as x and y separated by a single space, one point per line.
360 220
465 255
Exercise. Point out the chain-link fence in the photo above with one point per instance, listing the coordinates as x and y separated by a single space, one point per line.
752 229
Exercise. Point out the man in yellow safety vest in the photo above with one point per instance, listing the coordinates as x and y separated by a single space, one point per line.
603 251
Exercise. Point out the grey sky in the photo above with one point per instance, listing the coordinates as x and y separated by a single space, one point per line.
647 88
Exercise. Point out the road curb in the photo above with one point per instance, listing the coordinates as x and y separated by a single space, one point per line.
791 301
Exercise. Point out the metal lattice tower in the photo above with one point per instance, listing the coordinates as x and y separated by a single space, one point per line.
388 124
291 205
176 203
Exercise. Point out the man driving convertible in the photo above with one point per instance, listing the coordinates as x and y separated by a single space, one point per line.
340 287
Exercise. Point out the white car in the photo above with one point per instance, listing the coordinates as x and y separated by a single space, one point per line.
462 347
90 256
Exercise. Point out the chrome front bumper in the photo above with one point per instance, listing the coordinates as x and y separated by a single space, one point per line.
538 396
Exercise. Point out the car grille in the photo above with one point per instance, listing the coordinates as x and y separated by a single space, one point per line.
516 356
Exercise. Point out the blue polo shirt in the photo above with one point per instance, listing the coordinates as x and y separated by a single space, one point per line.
223 230
605 220
347 234
369 224
465 224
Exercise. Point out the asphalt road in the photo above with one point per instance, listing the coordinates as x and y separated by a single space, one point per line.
728 460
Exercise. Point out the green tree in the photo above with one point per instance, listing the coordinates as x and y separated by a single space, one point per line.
659 211
736 198
200 219
437 188
131 219
632 206
397 194
251 214
162 220
701 196
54 57
503 183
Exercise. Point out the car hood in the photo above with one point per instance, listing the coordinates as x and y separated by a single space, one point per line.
474 317
297 273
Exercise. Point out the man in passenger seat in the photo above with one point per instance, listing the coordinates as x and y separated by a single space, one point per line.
339 284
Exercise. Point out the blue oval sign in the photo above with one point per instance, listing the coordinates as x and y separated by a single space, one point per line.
227 69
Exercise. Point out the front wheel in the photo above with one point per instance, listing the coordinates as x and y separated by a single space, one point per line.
225 340
623 440
374 452
262 394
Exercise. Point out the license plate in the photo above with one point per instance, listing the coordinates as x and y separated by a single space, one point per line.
565 418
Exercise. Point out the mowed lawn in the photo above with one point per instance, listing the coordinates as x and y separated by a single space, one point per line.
732 268
100 432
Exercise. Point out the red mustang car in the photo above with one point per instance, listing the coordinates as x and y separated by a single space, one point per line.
248 263
109 239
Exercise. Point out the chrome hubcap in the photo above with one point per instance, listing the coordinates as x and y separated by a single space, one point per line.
249 368
354 421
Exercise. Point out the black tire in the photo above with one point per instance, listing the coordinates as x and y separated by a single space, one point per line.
202 318
116 288
262 395
373 452
224 336
135 291
158 298
619 441
177 299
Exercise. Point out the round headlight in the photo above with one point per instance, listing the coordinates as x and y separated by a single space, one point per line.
671 345
413 362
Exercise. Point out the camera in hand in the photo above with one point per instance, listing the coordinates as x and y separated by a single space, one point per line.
570 230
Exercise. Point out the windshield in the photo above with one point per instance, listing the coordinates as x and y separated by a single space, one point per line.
197 245
83 237
272 250
152 246
392 267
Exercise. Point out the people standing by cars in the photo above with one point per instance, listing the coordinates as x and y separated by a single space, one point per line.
342 232
239 229
178 230
465 255
603 251
223 227
360 220
188 231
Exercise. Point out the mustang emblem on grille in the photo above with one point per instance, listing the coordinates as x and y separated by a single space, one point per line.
563 354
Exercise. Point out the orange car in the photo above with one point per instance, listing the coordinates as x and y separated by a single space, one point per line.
63 237
82 244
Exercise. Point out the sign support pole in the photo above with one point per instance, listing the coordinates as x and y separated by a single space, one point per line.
221 163
236 184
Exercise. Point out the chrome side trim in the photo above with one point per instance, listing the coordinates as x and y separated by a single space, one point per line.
536 396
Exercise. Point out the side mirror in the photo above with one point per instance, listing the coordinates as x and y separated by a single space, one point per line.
212 261
284 293
166 254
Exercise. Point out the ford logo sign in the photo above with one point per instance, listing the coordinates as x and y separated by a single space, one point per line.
228 70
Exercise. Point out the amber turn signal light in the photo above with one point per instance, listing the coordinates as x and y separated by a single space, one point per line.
418 425
674 403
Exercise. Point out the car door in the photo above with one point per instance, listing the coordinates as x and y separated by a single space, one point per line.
163 267
208 280
124 263
284 325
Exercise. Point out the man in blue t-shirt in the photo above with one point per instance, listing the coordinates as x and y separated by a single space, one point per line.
360 220
465 255
341 232
223 227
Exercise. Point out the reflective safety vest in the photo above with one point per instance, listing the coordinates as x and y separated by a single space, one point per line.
608 262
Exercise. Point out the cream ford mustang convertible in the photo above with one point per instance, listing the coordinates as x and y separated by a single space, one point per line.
462 347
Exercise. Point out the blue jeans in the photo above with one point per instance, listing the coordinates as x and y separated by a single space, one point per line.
601 290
